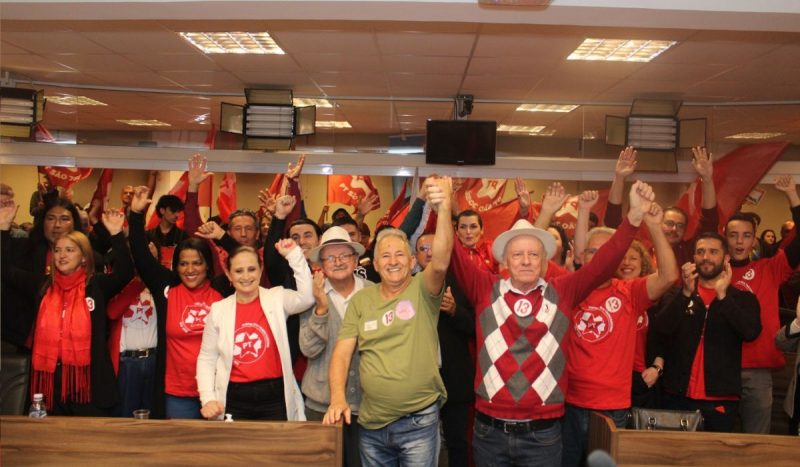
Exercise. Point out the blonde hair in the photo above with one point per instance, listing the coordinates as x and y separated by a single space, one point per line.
647 261
83 244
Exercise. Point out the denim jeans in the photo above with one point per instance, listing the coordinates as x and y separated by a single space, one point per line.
538 448
182 407
136 380
575 431
412 440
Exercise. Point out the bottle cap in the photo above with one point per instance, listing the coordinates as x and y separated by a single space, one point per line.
228 417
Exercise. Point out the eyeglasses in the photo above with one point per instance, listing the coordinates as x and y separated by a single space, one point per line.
425 248
675 225
341 258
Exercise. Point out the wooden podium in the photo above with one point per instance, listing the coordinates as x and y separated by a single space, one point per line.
642 447
122 441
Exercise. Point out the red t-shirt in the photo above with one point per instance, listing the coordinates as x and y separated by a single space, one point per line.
255 353
185 326
763 278
697 379
600 352
640 352
481 255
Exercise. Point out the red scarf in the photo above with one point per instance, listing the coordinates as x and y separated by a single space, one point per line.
63 332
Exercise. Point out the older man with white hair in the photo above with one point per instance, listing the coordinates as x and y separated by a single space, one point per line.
521 327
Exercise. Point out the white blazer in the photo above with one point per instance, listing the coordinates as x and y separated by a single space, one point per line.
216 353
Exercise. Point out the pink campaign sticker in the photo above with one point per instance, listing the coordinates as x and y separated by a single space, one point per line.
405 310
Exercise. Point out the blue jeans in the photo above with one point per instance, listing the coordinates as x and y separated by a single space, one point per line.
537 448
182 407
575 431
412 440
136 380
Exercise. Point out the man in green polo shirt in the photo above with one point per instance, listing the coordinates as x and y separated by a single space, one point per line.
393 324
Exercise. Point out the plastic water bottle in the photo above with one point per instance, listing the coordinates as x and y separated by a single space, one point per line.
37 409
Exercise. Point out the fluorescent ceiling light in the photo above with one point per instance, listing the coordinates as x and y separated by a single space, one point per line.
233 42
620 50
531 130
144 122
322 103
754 135
561 108
333 124
73 100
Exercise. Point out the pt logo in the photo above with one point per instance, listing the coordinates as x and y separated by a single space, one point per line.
523 308
139 314
193 318
250 342
593 324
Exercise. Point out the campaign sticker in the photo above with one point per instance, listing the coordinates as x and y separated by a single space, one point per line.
90 303
523 308
405 310
370 325
388 318
613 304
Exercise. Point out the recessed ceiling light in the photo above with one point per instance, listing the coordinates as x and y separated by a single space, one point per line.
620 50
233 42
754 135
73 100
333 124
322 103
144 122
531 130
561 108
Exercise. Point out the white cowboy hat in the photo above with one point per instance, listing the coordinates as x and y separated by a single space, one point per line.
523 227
335 236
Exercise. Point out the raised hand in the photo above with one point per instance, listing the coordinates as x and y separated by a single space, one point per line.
212 410
368 203
210 231
626 164
785 183
113 220
8 211
655 215
285 245
267 200
197 171
587 200
448 302
702 162
284 206
523 195
293 171
319 293
439 192
723 280
554 198
140 200
641 197
689 276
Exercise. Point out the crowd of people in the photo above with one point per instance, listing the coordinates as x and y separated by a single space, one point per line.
509 342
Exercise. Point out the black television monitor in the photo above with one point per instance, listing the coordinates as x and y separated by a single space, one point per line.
460 142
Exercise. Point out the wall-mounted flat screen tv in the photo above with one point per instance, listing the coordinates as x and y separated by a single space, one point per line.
460 142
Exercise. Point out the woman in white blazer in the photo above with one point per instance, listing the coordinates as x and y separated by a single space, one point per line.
244 367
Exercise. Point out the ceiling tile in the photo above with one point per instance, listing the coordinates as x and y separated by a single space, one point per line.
337 42
238 63
339 62
418 64
54 42
31 65
155 41
94 62
173 62
445 45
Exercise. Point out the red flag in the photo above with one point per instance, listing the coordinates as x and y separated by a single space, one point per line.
64 177
394 210
103 189
567 216
479 194
226 199
349 189
277 182
499 218
180 189
41 135
735 175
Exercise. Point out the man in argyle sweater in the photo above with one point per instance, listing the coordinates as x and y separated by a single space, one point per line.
521 328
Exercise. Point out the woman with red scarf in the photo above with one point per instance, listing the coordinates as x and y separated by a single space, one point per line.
186 293
69 363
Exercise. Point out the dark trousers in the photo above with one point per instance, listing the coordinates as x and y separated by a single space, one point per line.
72 408
717 415
642 396
455 424
352 454
136 381
257 400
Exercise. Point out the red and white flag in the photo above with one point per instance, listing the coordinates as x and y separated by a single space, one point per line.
395 209
64 177
349 189
180 189
735 176
479 194
101 193
226 199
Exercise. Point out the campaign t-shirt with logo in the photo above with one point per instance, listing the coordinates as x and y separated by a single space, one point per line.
763 278
139 328
185 326
399 348
255 353
601 349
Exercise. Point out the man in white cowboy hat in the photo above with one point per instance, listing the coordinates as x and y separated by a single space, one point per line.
394 325
521 327
334 286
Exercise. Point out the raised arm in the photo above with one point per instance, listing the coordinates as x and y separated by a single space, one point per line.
277 267
786 184
152 273
667 268
704 166
366 205
196 175
554 198
122 273
586 202
296 301
439 196
626 165
523 198
314 322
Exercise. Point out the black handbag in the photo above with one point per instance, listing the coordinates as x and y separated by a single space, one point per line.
668 420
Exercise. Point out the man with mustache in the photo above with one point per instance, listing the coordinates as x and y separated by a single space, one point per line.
707 320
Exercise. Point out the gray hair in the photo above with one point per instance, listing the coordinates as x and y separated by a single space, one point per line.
392 232
597 231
